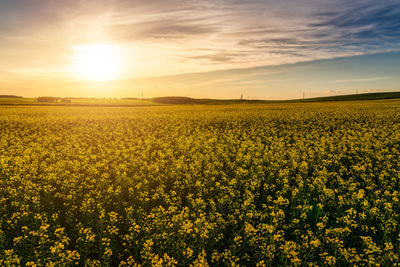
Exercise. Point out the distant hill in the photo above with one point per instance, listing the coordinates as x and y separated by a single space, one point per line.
180 100
365 96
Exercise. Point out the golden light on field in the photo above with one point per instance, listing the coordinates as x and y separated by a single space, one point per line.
97 62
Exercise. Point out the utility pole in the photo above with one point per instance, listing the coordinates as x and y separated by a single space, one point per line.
241 97
304 94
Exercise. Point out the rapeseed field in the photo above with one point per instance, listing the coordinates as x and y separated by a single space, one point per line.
221 185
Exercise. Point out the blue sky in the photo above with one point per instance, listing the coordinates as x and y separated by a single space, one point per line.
269 49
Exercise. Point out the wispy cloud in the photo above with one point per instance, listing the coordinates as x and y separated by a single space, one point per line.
360 80
355 80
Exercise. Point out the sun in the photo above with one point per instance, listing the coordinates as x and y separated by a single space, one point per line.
97 62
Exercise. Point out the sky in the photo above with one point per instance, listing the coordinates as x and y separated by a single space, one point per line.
263 49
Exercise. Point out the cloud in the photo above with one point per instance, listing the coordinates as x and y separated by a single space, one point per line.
218 57
360 80
191 36
347 29
370 23
354 80
161 29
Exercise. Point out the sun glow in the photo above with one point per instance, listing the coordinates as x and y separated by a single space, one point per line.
97 62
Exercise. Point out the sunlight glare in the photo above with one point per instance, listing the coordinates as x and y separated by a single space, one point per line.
97 62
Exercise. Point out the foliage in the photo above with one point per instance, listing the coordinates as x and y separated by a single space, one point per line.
10 96
49 99
260 185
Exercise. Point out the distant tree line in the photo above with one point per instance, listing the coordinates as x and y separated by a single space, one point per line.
10 96
51 99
